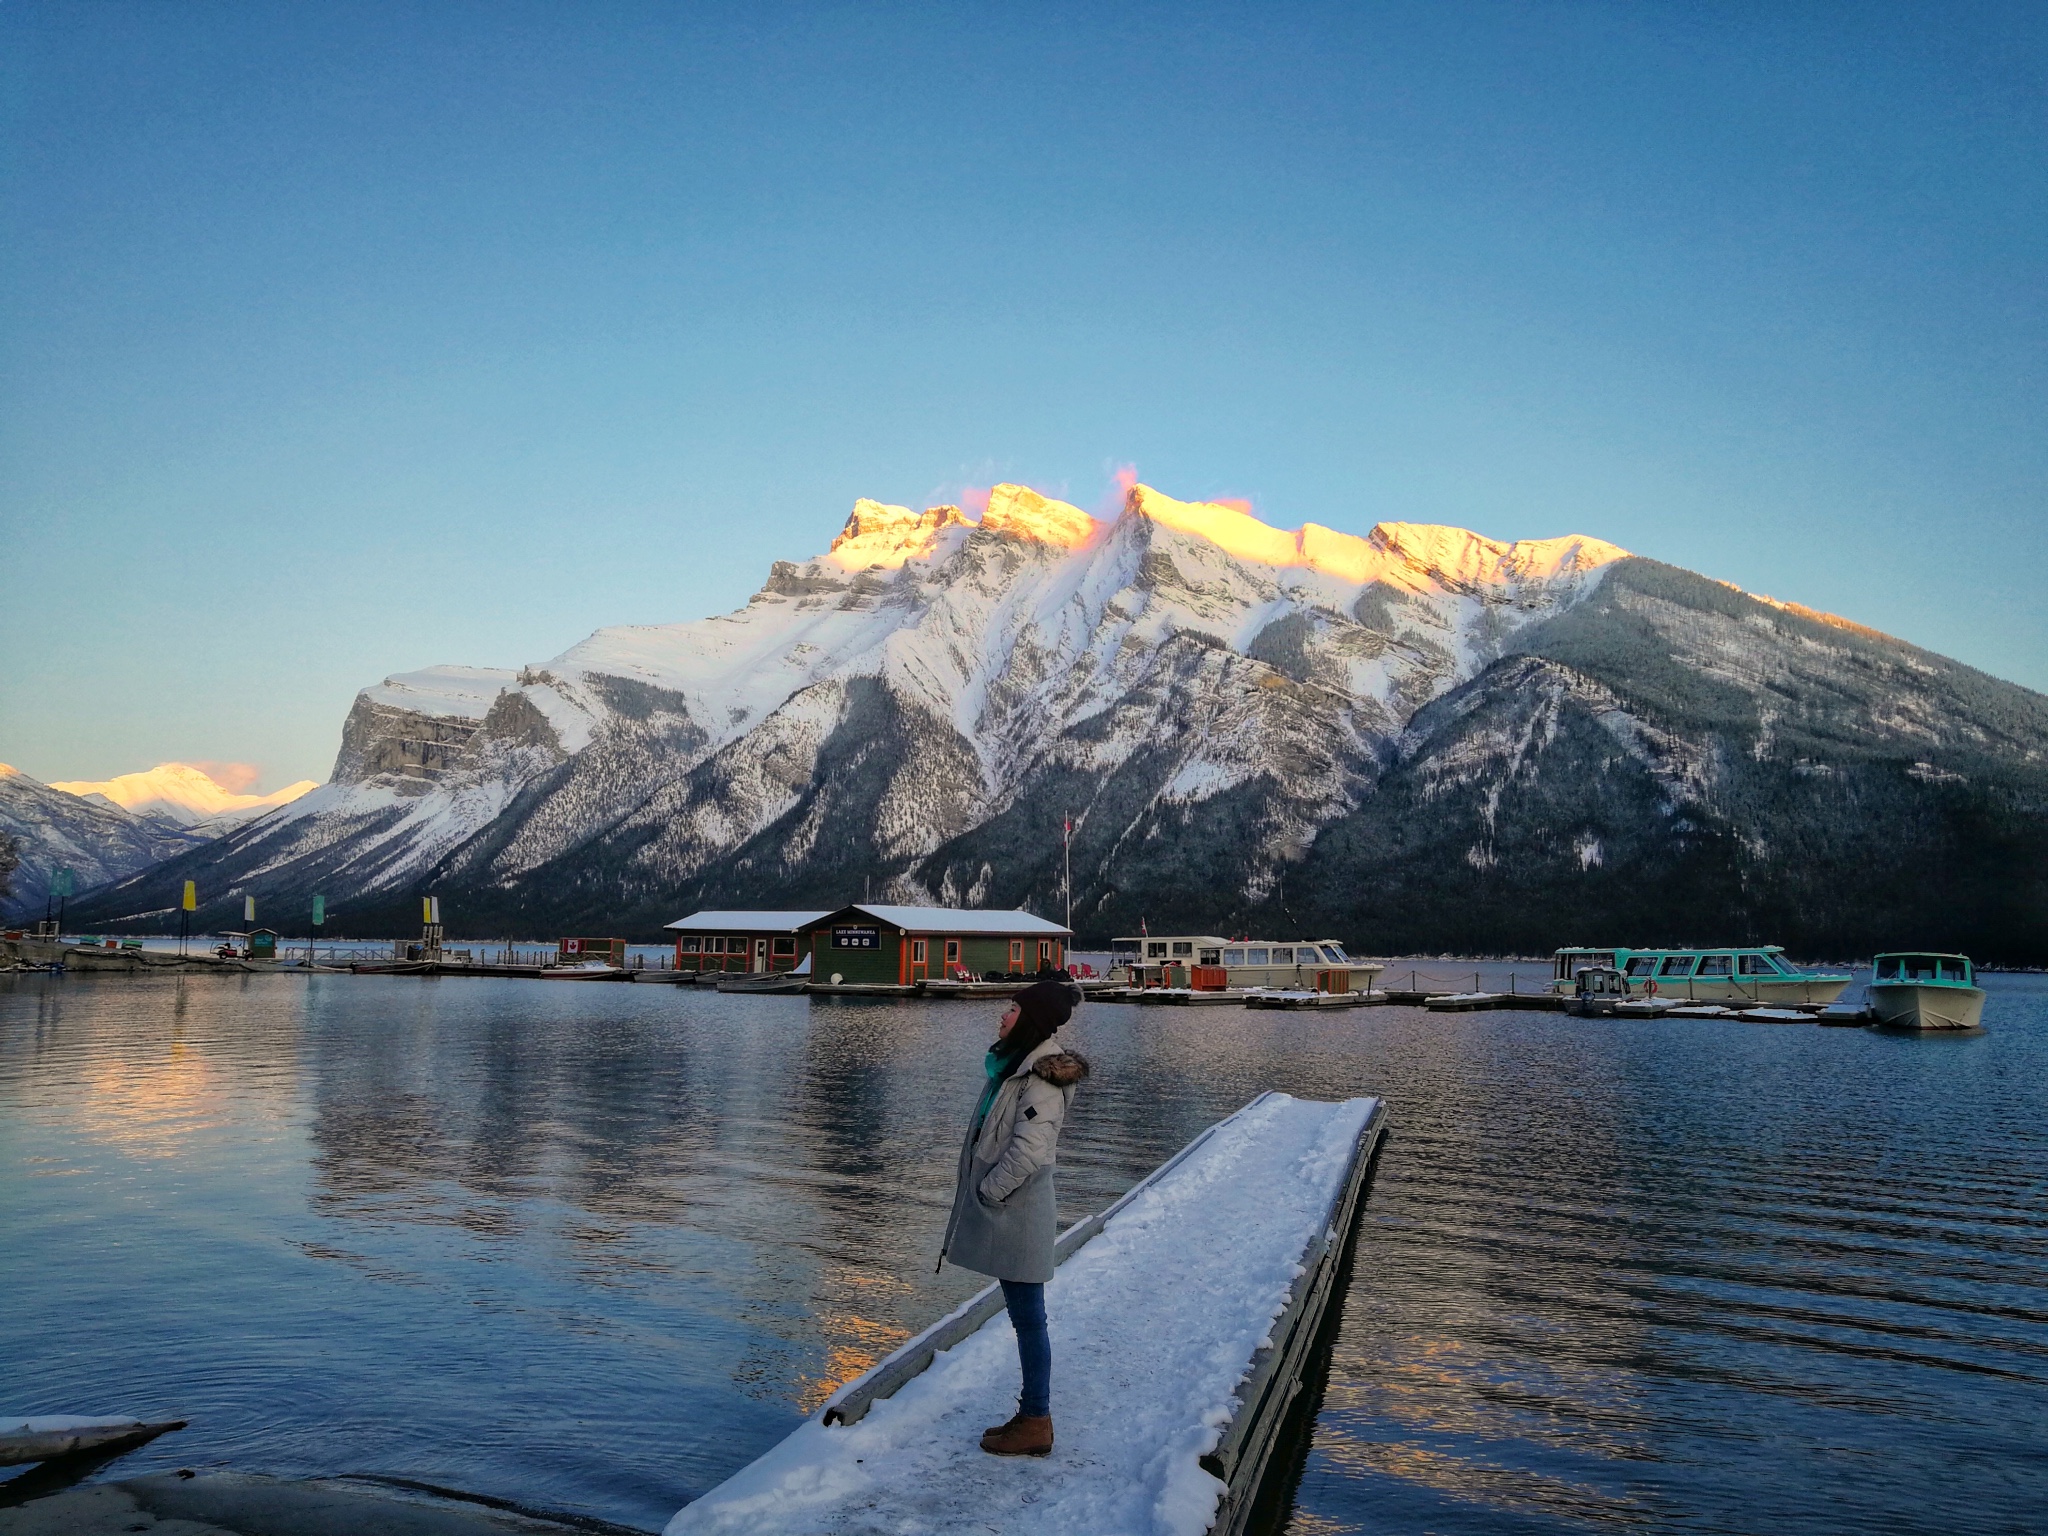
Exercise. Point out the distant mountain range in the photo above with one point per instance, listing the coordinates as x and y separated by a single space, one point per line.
98 841
180 795
1418 738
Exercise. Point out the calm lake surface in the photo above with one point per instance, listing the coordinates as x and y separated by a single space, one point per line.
593 1248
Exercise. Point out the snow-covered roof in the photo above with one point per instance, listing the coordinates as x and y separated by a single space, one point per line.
956 920
745 922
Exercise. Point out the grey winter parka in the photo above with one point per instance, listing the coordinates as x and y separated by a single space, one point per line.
1004 1216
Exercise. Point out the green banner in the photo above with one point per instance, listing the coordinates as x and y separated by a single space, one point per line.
319 910
64 885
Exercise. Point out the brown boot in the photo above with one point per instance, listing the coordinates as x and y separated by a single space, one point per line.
1020 1437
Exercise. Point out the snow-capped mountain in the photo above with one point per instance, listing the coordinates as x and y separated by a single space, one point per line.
181 795
927 677
50 830
1217 703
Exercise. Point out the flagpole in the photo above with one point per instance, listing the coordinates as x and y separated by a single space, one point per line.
1067 852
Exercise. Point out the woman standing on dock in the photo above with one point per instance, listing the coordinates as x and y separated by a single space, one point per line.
1004 1216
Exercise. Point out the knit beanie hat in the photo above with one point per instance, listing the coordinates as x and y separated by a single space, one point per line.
1042 1008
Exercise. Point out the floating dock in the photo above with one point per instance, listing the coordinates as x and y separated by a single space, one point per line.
1182 1319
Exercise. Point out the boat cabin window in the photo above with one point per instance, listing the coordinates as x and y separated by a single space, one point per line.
1258 957
1233 957
1156 950
1955 970
1183 947
1209 957
1758 965
1677 965
1283 956
1642 965
1716 965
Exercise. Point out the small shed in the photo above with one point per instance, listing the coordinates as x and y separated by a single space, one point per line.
740 941
869 944
255 943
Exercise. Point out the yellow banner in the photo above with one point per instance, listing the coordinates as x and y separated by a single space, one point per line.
191 895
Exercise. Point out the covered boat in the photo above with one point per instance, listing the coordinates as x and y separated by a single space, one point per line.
1758 975
1926 991
1206 963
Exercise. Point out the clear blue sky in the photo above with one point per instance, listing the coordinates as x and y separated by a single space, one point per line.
337 340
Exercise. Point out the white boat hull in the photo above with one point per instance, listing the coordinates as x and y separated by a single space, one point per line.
1918 1005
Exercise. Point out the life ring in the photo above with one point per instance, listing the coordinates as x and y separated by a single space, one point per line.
1650 988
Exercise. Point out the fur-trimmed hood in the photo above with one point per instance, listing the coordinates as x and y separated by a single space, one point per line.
1062 1069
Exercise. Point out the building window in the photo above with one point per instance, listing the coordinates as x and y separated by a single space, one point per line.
714 945
1017 952
785 946
692 946
917 951
952 951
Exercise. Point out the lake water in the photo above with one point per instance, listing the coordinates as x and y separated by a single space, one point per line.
592 1248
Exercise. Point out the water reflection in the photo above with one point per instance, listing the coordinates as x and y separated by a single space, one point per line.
593 1248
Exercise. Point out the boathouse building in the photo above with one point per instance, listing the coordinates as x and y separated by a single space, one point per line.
886 945
741 941
872 945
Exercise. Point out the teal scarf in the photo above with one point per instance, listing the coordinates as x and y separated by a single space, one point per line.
998 1065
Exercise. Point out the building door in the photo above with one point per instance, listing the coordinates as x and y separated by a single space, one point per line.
1016 954
920 959
952 956
760 955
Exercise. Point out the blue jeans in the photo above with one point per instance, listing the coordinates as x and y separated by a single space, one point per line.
1026 1301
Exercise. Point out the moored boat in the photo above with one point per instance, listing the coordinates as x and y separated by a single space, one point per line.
1926 991
1207 963
584 970
1755 976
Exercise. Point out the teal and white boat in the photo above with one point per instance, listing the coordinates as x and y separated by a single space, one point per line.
1926 991
1759 976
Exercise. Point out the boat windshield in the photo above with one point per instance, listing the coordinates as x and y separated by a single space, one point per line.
1677 965
1888 968
1922 967
1955 970
1335 953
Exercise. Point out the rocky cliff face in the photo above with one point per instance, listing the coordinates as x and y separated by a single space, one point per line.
1248 725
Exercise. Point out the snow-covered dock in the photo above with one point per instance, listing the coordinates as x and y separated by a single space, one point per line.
1182 1318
